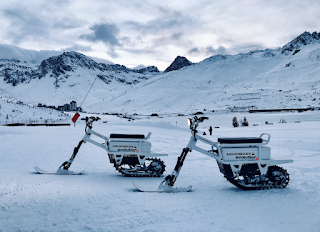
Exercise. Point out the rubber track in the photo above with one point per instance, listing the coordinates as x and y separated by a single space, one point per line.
136 174
272 185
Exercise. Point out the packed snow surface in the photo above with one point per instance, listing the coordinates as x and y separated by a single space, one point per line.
103 200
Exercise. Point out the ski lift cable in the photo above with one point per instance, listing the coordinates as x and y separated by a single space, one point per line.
76 116
88 92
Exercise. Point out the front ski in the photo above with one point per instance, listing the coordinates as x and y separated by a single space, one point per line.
60 171
163 189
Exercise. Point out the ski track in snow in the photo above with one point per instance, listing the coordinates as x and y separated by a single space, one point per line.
103 200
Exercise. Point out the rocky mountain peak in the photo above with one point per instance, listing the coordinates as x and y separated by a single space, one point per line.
64 63
152 69
178 63
305 38
64 66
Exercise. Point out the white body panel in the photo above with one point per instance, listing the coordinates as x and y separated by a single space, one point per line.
237 154
129 147
245 154
119 147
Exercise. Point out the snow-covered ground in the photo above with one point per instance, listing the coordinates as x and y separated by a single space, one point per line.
103 200
12 111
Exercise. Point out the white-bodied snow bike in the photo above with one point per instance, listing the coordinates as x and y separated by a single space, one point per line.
245 162
130 153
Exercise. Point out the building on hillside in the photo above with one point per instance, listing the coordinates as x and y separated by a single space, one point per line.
73 106
60 108
69 107
66 107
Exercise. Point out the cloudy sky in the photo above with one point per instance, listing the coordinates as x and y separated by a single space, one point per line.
142 32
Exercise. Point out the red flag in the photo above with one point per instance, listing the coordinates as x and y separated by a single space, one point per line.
75 117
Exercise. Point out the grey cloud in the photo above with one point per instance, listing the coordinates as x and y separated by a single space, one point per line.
33 56
25 24
166 20
244 48
207 51
68 23
178 39
101 60
220 50
194 52
210 51
176 36
60 3
131 43
111 52
168 27
104 32
78 47
155 26
144 51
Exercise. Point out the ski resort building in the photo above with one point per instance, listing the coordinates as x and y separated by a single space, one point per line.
73 106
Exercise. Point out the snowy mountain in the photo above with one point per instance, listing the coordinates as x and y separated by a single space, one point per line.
267 79
302 40
15 71
61 79
286 77
63 66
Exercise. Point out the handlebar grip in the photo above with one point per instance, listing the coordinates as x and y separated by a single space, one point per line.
93 118
203 118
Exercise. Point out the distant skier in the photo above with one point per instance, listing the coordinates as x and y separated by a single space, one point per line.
210 130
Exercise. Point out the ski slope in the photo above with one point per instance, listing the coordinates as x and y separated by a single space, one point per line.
103 200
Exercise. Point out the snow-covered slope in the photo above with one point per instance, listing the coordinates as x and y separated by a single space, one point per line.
280 78
12 112
287 77
64 78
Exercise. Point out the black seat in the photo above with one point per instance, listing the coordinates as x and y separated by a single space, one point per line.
126 136
240 140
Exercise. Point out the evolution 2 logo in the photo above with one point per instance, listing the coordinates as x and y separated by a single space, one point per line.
129 148
243 155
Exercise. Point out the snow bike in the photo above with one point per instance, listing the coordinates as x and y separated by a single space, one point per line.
244 162
130 153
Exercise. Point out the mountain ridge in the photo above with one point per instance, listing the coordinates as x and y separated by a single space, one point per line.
276 78
57 66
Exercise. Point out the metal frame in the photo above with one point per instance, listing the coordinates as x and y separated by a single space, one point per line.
142 156
235 166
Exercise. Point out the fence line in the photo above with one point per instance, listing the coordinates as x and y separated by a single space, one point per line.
34 121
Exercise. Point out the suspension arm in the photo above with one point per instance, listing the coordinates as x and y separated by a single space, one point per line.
170 179
66 165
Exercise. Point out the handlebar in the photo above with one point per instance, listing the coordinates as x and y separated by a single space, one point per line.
91 119
193 122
